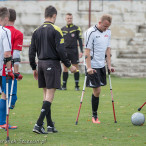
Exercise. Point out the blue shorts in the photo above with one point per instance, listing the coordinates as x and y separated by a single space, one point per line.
14 94
0 85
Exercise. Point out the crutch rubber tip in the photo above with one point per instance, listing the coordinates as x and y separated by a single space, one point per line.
7 138
139 109
115 121
76 123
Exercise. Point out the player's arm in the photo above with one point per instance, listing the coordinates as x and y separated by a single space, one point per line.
88 46
7 61
88 61
7 48
108 58
87 58
8 58
7 52
108 53
16 61
16 55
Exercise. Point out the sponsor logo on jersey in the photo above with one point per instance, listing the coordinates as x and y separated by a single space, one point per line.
49 68
42 110
106 35
97 36
62 41
72 34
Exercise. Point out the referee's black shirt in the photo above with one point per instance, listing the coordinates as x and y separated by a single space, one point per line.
48 42
71 34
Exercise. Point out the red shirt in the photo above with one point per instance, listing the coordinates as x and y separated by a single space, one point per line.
16 41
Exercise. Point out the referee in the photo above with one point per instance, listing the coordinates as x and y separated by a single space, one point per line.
72 35
48 43
97 41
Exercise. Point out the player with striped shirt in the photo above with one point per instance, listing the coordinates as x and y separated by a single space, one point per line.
16 41
97 45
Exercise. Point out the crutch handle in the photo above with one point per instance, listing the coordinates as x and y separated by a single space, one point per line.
108 71
85 71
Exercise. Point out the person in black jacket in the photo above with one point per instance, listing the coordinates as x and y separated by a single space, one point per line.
72 35
48 43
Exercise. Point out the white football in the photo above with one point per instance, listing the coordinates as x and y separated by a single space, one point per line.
137 119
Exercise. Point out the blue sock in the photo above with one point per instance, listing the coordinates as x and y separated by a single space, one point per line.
2 111
13 101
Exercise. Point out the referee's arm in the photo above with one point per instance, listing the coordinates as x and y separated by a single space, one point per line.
61 49
80 39
32 53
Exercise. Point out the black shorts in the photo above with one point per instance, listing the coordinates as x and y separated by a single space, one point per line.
49 74
73 55
97 79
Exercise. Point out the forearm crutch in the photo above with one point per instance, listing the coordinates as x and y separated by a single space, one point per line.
7 109
111 95
81 98
83 91
141 107
12 86
8 102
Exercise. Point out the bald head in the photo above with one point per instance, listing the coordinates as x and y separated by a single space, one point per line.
104 22
106 17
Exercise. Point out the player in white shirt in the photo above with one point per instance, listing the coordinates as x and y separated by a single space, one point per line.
97 45
5 42
5 50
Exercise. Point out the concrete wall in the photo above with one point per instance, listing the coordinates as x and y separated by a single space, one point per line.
127 17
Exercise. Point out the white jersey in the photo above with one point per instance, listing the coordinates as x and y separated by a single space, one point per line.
5 44
97 42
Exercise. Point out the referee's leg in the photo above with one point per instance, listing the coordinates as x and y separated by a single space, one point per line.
65 77
49 95
76 77
46 112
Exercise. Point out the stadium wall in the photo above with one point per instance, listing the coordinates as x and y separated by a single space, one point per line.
127 17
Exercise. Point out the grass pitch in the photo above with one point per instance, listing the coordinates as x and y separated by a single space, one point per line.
129 94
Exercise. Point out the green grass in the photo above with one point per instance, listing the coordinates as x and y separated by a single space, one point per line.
129 95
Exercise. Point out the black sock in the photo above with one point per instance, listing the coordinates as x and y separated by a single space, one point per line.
76 77
44 111
48 117
65 77
95 103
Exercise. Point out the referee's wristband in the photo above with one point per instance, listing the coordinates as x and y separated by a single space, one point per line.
70 66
